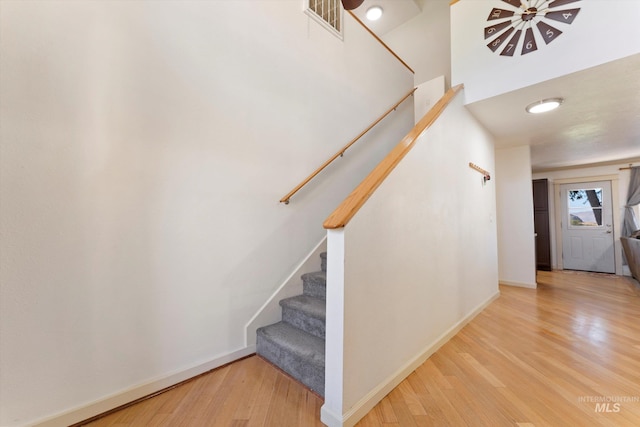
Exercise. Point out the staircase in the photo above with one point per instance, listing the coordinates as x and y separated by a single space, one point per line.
296 344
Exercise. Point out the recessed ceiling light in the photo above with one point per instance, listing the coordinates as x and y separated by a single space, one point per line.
544 105
374 13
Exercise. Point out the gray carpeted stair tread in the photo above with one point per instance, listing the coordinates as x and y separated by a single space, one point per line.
307 313
311 306
296 344
296 352
295 341
315 276
315 284
323 261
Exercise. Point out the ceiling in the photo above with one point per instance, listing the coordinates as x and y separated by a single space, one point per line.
599 121
396 12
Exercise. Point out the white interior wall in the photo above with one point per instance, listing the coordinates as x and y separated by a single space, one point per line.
588 174
418 259
426 96
486 74
516 239
145 146
424 42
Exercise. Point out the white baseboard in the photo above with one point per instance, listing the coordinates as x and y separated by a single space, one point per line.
129 395
330 418
367 403
519 284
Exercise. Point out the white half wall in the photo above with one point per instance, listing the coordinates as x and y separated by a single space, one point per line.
417 261
516 235
426 95
144 148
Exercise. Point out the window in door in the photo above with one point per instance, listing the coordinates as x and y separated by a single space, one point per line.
584 207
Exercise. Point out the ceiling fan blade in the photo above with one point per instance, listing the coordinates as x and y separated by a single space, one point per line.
351 4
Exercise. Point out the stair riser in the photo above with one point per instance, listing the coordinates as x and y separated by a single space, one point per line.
307 373
314 287
300 320
323 261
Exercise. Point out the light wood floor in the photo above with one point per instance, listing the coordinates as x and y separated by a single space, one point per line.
532 358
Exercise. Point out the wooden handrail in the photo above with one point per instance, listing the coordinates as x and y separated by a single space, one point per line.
350 206
380 40
286 198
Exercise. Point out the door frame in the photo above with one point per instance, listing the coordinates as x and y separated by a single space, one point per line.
615 206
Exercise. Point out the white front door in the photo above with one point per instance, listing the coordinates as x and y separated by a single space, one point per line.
587 227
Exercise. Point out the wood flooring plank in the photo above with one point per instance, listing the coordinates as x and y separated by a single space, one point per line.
483 371
310 413
433 384
433 414
158 420
256 369
411 398
401 409
230 395
385 411
533 358
277 410
264 398
370 420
